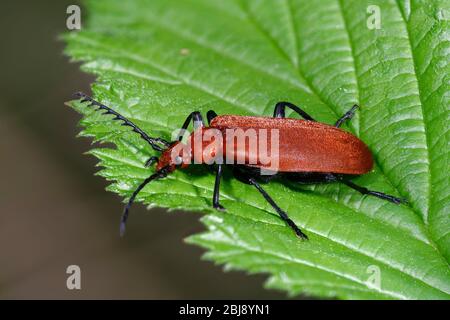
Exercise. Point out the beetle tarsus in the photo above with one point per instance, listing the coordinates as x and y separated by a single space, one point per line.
381 195
347 116
122 228
387 197
298 232
219 207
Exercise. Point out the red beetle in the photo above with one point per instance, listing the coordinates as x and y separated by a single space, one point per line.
307 152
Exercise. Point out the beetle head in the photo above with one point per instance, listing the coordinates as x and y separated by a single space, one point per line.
172 158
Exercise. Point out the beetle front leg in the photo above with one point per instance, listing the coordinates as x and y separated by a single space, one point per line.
197 121
151 161
216 195
280 108
347 116
210 115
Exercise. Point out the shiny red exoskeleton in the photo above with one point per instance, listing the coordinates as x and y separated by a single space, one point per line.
306 152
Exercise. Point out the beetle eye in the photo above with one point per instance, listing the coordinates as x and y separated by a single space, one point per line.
178 160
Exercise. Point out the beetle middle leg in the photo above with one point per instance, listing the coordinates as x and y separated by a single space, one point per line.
244 177
216 194
283 215
210 115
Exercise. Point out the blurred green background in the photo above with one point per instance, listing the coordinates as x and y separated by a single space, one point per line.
54 212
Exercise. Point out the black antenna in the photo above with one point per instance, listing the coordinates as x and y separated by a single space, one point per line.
157 175
152 141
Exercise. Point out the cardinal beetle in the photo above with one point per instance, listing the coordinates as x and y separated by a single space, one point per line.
309 152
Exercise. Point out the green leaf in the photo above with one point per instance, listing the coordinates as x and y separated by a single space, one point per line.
158 60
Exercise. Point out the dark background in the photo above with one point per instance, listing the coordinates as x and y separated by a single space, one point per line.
54 212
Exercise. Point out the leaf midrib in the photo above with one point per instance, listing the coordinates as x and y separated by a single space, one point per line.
424 116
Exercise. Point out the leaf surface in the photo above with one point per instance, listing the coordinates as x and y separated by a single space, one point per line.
159 60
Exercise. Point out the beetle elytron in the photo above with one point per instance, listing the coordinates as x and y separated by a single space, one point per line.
309 152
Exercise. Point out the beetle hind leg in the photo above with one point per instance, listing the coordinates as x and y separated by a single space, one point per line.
280 108
381 195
